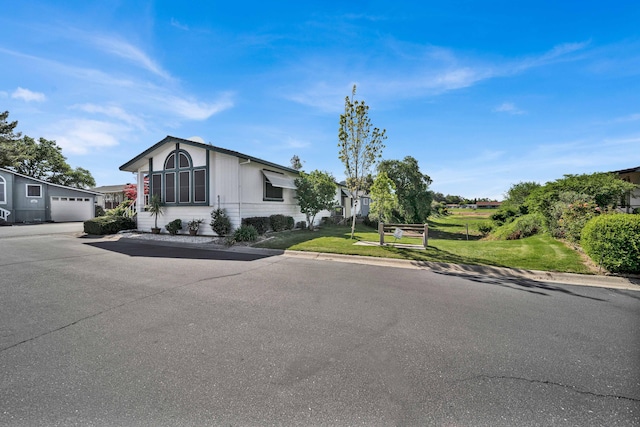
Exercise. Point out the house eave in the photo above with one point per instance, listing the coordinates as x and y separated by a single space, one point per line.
50 183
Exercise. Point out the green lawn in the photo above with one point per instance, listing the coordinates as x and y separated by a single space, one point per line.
447 243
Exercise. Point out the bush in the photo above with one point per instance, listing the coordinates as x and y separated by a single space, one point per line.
108 225
260 223
98 211
290 223
369 222
613 241
220 222
521 227
280 222
246 233
504 215
485 228
120 209
174 226
301 225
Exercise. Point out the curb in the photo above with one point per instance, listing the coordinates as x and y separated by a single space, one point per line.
462 270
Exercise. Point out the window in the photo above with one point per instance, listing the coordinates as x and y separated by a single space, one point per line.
271 192
3 191
274 182
180 182
199 184
34 190
170 187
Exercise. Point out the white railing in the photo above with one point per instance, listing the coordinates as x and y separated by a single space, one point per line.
4 214
131 211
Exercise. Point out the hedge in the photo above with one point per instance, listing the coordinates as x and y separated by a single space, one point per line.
281 222
260 223
613 241
108 225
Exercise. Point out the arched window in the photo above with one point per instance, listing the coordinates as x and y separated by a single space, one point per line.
179 182
3 191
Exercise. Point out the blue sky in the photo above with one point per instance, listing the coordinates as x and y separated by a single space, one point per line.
482 94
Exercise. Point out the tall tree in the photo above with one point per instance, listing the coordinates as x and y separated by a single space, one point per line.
360 145
8 138
40 159
383 198
412 189
296 163
315 192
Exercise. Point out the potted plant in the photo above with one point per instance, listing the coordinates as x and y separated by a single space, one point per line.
194 226
155 209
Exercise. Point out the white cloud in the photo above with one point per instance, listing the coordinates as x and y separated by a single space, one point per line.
508 107
175 23
126 50
629 118
112 111
192 109
27 95
407 71
79 136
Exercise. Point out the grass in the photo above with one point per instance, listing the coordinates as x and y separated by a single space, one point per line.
447 243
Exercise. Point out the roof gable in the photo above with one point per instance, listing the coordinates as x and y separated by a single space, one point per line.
128 166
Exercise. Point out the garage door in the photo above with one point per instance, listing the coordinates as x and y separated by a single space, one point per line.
71 209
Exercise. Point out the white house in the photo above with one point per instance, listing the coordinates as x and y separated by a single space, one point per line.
193 178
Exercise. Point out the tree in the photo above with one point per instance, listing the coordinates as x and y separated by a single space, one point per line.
316 192
383 198
296 163
360 145
7 140
40 159
412 189
518 193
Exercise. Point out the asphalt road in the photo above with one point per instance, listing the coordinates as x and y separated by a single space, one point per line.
104 332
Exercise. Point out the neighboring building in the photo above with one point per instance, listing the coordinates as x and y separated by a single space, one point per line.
110 195
631 200
193 178
488 205
25 200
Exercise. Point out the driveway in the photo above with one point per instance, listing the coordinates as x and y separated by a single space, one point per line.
22 230
107 332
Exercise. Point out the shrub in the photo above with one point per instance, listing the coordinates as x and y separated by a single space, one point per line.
220 222
120 209
278 222
485 228
99 211
174 226
521 227
108 225
369 222
290 223
301 225
504 215
613 241
246 233
260 223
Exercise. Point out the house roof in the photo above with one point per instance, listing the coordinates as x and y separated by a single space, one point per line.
132 165
49 183
636 169
109 188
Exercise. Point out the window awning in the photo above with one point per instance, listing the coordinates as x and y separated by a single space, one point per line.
345 192
278 180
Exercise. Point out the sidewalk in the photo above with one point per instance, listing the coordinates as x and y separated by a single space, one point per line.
469 271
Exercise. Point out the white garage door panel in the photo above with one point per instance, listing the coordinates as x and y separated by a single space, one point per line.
71 209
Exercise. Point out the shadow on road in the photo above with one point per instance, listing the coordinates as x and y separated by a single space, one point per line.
136 249
517 283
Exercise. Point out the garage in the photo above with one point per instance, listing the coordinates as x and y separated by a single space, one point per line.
65 209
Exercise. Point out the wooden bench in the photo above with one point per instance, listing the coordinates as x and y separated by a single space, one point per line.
411 229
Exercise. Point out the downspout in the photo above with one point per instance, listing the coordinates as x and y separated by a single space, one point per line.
240 189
